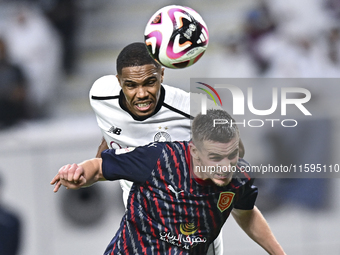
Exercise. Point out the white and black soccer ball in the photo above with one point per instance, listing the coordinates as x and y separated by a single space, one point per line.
176 36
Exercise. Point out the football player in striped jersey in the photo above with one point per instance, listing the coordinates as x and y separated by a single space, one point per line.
175 205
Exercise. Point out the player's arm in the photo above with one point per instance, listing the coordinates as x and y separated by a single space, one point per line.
256 227
80 175
102 147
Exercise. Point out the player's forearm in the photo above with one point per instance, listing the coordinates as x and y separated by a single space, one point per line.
257 228
92 171
103 146
75 176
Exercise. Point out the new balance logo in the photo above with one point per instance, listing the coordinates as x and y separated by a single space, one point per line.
174 191
115 130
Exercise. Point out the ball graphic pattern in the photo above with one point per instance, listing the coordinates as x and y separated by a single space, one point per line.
176 36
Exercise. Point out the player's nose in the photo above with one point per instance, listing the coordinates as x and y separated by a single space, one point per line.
142 92
225 162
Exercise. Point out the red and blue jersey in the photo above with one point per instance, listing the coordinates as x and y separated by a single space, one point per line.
169 211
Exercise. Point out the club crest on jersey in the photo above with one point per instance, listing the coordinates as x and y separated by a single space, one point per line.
162 137
115 130
225 200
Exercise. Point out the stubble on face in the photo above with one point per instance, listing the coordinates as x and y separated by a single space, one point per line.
216 161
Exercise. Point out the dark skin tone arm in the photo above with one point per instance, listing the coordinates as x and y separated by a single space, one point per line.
103 146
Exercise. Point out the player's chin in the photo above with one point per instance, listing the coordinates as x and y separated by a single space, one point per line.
222 181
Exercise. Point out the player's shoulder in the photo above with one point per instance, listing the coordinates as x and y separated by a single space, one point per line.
244 172
107 85
173 94
177 99
168 147
243 163
185 102
177 149
188 102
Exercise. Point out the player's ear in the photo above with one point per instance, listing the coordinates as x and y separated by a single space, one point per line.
193 151
162 74
242 150
118 78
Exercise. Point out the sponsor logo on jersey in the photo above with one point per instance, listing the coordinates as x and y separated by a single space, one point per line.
188 228
185 239
162 137
225 200
115 130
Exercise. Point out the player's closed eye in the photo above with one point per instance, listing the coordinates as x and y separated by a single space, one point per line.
216 158
130 85
151 82
233 155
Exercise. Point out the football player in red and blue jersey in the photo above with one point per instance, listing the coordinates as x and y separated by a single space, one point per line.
183 192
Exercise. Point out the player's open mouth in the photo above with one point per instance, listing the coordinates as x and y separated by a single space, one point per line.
143 106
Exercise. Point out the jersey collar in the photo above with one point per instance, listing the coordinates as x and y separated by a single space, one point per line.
158 106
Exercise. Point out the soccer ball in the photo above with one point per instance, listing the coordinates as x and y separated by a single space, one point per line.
176 36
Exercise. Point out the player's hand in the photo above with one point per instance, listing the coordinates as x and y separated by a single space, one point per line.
70 176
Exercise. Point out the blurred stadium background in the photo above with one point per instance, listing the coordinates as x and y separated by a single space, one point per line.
274 38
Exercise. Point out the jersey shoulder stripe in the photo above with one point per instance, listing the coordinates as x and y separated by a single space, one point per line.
188 116
177 100
104 98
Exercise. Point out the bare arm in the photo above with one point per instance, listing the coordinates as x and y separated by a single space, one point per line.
256 227
103 146
80 175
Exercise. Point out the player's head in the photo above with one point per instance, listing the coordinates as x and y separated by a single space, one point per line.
216 125
215 146
135 54
140 77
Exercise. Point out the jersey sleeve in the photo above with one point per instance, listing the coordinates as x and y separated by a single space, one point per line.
248 192
248 197
133 163
104 88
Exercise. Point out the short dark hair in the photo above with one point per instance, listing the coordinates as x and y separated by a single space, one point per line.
134 54
203 128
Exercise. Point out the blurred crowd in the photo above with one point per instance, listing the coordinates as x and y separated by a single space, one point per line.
285 39
37 51
290 39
